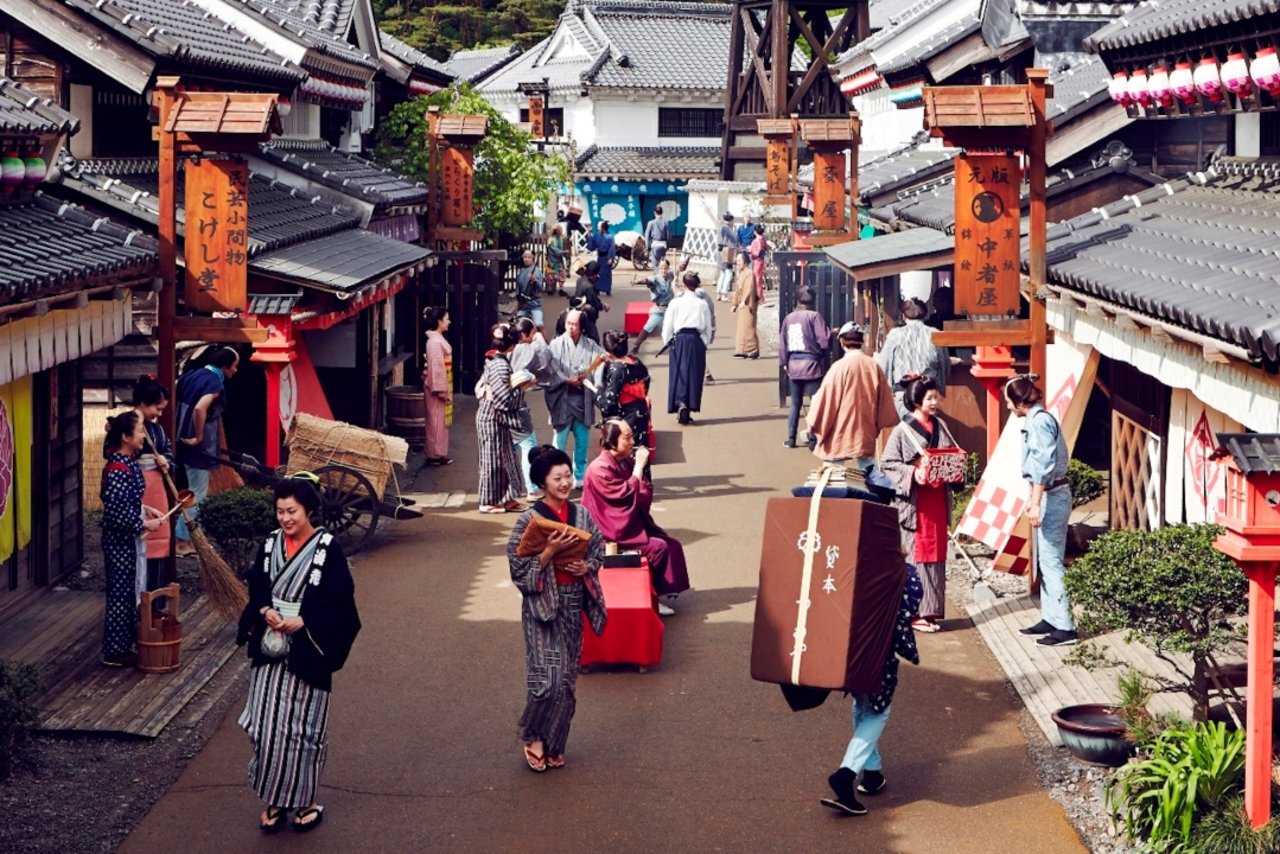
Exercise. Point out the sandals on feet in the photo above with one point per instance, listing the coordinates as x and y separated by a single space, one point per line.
514 507
555 761
920 624
310 823
537 762
490 508
277 818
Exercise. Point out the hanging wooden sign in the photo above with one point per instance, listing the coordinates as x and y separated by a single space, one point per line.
777 168
536 128
457 178
828 190
988 243
216 245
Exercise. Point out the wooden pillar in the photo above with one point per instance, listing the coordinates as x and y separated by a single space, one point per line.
1259 692
1037 82
992 366
274 354
167 299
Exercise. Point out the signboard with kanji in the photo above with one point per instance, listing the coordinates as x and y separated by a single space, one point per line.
828 190
216 246
777 167
988 246
457 174
535 117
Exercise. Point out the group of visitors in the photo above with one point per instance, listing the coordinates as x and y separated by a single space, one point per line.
745 244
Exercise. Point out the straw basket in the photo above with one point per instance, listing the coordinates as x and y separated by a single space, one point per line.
317 442
160 635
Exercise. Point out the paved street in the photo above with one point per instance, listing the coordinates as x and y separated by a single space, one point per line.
692 756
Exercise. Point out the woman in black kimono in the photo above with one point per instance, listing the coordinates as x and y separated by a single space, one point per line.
625 391
299 625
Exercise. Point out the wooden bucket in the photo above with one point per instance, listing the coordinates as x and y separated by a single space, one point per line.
160 635
407 413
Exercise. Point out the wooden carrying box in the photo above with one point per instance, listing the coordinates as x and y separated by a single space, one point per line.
854 594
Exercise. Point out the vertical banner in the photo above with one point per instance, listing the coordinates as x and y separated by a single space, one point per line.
828 190
536 127
15 466
456 179
988 243
216 241
777 167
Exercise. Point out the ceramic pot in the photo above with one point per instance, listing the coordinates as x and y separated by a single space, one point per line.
1094 733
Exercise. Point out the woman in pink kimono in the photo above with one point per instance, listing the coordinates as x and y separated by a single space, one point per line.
619 500
437 382
759 250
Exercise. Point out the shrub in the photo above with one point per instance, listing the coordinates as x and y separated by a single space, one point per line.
1087 483
19 686
237 521
1228 831
1191 773
1170 590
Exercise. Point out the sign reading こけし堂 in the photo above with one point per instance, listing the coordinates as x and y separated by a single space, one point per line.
988 242
216 243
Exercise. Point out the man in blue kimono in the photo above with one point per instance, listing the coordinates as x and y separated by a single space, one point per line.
606 251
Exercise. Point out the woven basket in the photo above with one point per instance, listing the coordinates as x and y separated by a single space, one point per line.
316 442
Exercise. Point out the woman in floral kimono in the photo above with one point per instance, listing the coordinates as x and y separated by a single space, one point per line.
437 382
625 391
299 625
553 602
924 510
123 524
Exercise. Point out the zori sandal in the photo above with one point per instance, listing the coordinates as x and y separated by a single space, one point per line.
277 818
310 823
537 762
555 761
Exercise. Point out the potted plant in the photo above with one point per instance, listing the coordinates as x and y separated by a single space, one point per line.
1108 735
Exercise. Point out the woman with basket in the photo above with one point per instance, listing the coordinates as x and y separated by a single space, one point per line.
923 461
555 553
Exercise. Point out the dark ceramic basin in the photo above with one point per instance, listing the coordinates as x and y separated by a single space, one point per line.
1093 733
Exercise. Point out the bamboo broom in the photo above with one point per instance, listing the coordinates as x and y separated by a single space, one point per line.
226 592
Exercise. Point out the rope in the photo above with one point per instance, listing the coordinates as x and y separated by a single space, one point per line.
806 576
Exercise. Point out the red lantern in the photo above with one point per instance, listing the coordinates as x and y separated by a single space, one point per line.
1182 82
1235 74
1119 89
1138 87
1266 70
1158 86
1207 80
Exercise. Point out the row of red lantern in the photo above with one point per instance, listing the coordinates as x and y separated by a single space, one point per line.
316 88
1163 86
17 172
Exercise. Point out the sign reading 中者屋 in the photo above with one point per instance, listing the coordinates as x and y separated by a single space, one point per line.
988 242
216 244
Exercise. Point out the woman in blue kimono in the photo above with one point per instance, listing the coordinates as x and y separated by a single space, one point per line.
606 251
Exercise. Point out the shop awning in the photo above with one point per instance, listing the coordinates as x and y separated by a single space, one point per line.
342 262
894 253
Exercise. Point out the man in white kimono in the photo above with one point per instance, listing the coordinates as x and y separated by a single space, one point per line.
571 398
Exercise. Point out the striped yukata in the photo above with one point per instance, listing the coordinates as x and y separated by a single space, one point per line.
551 615
501 480
287 720
909 349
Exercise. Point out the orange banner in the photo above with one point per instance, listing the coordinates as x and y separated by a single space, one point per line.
988 246
216 245
456 179
828 191
777 168
535 117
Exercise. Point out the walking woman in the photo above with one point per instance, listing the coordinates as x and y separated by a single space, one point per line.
746 344
924 509
437 382
497 420
299 625
533 355
151 399
1044 465
554 598
758 249
557 269
123 523
625 391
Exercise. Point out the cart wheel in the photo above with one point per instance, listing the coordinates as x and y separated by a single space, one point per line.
348 506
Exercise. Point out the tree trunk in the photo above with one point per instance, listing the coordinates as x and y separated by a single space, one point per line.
1200 688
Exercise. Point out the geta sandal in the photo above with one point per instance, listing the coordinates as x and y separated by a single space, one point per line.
555 761
490 508
304 826
537 762
277 818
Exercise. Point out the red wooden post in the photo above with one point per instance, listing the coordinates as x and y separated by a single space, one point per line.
1258 694
992 365
274 354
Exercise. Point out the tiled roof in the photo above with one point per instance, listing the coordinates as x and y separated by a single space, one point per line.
890 247
1202 253
187 34
1156 20
406 52
472 65
662 163
348 173
925 49
1253 453
1079 82
343 261
23 111
321 24
49 247
279 304
863 54
902 169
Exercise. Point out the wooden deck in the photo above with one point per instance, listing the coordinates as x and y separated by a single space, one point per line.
60 632
1044 682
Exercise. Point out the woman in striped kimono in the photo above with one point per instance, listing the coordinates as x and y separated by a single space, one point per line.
554 600
299 625
497 419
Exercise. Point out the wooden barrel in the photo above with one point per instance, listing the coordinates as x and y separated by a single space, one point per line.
407 413
160 634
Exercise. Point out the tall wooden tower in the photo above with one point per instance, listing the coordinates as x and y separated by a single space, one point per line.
780 55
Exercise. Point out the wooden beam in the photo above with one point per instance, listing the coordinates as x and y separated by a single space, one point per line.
897 266
1037 81
96 46
979 333
222 330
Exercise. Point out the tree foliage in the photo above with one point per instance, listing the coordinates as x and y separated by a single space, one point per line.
1169 589
510 176
439 28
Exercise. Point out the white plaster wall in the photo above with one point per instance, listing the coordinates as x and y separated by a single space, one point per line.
1248 135
884 126
620 122
579 120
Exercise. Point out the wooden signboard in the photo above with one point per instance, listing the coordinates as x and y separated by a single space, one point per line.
536 128
988 245
777 168
828 190
457 178
217 235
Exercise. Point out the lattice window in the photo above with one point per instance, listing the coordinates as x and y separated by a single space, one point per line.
690 121
1136 475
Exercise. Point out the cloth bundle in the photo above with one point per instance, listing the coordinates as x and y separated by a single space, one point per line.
540 529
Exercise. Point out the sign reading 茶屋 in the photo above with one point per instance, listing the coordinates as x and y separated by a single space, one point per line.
988 244
216 247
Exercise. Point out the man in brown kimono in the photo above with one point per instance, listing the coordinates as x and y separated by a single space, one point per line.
853 405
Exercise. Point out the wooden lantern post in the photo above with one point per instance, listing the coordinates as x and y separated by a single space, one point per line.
835 210
1252 520
991 124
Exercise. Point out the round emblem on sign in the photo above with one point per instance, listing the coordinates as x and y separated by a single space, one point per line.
987 207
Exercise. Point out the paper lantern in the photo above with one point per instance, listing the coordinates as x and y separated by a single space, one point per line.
1207 80
1138 87
1158 86
1235 74
1266 70
1119 89
12 171
283 107
1182 83
34 172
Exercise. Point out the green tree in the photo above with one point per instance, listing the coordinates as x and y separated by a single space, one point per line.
511 177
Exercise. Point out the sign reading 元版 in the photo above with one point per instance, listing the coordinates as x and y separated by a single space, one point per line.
988 241
216 243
